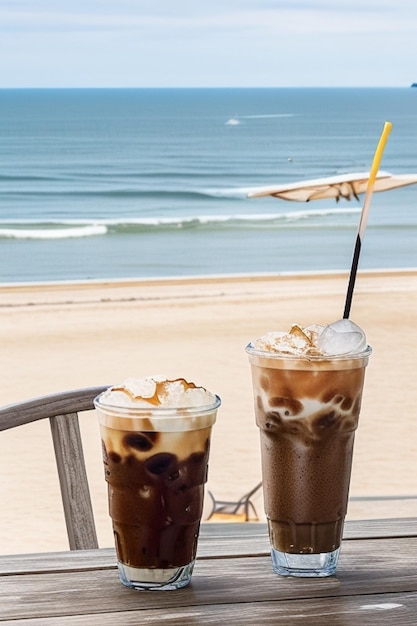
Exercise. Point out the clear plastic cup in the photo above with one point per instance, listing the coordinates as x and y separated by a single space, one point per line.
156 463
307 411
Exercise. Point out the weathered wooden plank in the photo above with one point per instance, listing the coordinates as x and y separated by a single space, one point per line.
62 410
367 567
252 538
216 540
399 609
358 529
354 529
60 403
75 492
76 560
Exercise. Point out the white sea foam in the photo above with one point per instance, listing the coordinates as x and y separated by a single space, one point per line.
235 121
88 227
53 233
266 116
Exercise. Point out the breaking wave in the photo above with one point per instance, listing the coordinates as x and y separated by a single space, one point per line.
72 228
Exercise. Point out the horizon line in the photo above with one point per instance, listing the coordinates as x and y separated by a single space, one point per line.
103 87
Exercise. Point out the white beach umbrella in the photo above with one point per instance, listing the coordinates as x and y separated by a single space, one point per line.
342 186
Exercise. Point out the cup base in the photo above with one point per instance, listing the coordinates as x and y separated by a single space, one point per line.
143 578
304 565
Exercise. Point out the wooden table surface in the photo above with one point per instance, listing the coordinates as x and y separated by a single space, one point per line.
233 583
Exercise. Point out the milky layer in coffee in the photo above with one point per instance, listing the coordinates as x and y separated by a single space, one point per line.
307 404
156 439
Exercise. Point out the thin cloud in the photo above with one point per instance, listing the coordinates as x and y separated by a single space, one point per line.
291 16
216 43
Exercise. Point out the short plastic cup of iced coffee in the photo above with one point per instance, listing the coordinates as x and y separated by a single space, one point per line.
156 439
307 387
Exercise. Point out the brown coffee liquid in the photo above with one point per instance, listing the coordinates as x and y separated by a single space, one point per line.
307 421
155 497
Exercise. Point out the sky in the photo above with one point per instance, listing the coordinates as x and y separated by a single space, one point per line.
208 43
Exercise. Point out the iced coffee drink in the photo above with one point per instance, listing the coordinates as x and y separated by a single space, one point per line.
307 387
156 440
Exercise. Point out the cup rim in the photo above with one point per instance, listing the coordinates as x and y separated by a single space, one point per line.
157 411
252 351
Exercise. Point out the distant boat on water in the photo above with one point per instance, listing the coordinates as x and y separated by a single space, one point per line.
414 84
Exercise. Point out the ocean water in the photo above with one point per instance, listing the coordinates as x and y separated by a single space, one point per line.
115 183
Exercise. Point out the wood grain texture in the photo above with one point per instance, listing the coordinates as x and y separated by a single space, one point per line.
376 584
78 510
47 406
399 609
216 540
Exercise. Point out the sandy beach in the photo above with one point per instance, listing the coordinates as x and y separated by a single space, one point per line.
69 335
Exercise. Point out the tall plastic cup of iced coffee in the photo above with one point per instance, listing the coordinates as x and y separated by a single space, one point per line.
307 387
156 440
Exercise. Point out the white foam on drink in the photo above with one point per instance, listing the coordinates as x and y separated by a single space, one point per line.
140 387
336 339
157 391
178 410
297 341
